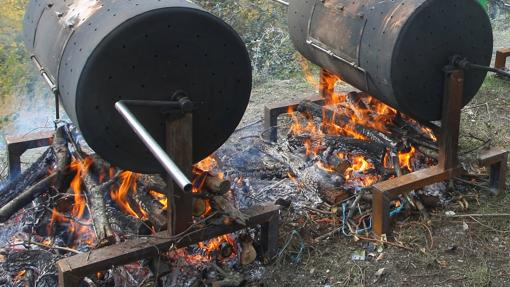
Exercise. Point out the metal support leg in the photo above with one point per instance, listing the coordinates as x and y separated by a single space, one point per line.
381 211
272 112
269 236
384 192
501 57
496 161
17 146
180 149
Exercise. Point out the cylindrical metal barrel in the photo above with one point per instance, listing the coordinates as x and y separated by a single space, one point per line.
98 52
395 49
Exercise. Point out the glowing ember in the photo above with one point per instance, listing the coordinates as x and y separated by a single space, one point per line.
213 245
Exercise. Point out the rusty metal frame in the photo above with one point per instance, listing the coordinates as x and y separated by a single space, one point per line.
180 232
501 57
18 145
272 112
448 166
71 270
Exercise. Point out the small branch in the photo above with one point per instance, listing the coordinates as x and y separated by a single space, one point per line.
480 215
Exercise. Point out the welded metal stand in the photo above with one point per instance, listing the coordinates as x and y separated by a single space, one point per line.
272 112
501 57
448 167
18 145
180 232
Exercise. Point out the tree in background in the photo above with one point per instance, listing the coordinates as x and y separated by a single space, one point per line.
16 74
263 26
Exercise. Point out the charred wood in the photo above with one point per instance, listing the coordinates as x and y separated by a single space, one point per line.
27 178
55 178
226 207
96 191
155 210
217 185
312 109
26 197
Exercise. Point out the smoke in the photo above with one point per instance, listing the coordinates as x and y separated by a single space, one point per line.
29 109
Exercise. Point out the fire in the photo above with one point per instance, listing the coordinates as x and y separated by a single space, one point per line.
19 275
358 165
214 244
429 133
404 159
207 164
161 198
120 195
77 220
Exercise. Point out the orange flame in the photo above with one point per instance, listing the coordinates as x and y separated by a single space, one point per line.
215 243
121 195
77 221
161 198
19 275
404 159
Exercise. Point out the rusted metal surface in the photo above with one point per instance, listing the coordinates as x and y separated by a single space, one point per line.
495 160
95 53
394 50
501 57
380 212
447 167
17 145
272 112
72 269
180 150
416 180
450 122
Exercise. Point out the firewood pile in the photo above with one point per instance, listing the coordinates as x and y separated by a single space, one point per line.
70 201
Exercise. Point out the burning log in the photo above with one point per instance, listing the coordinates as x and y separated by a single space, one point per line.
327 115
373 150
248 252
56 178
30 176
102 227
217 185
156 211
199 207
225 206
326 185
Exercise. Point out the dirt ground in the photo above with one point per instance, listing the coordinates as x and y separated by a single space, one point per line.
471 251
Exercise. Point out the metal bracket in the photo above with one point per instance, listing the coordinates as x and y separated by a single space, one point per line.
17 146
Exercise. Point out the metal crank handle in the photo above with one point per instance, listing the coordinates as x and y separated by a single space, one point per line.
168 164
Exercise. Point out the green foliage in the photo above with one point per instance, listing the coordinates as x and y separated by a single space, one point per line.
15 72
263 26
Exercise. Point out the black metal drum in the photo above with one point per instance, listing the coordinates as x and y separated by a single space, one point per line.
99 52
394 49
